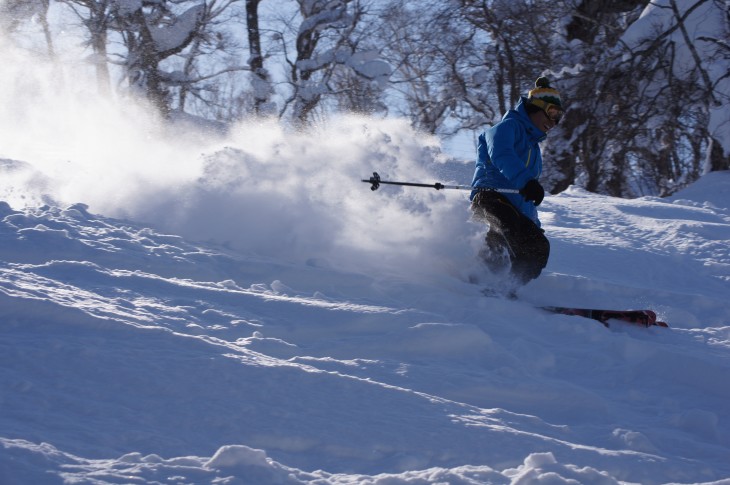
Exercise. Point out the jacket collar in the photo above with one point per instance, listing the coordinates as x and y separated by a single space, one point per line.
520 113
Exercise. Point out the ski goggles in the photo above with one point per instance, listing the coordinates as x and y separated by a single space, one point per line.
553 113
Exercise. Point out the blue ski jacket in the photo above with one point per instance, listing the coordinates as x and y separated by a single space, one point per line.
508 156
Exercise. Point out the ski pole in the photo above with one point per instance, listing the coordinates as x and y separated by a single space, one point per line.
375 182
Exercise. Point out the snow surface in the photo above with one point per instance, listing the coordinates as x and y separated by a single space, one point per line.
179 308
128 355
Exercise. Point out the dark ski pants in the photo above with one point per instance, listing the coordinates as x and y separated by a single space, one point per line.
528 247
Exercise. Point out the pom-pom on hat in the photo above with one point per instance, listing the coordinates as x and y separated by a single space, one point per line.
543 95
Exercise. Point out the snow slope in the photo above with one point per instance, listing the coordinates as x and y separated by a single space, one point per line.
132 355
178 307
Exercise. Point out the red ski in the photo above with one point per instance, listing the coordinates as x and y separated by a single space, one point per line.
644 318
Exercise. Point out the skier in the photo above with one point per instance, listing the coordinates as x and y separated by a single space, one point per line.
509 157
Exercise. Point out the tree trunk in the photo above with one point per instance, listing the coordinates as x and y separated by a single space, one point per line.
260 81
717 158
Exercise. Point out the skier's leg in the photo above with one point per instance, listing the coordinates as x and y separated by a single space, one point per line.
496 253
531 248
499 215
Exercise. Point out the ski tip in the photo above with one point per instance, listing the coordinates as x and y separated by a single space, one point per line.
662 324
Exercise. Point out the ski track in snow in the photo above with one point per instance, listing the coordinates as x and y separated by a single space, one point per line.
131 356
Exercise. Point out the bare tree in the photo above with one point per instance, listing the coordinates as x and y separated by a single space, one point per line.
95 15
646 91
515 45
212 53
152 32
324 44
592 19
261 79
13 12
644 127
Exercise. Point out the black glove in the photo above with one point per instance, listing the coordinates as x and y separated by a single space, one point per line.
533 191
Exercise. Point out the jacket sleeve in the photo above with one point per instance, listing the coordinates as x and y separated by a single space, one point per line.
502 151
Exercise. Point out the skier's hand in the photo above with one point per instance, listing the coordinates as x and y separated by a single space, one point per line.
533 191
